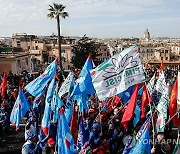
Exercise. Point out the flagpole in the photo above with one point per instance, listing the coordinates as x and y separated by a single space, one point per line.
170 119
118 112
100 112
151 119
100 118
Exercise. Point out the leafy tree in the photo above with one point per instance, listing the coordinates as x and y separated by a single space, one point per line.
56 11
82 50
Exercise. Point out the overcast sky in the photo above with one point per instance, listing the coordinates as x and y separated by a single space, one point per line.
95 18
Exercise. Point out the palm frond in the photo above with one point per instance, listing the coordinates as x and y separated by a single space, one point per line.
57 10
50 15
64 15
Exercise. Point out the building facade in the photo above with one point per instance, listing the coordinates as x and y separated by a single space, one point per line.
15 63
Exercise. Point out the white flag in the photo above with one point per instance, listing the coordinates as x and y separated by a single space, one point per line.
150 85
161 83
66 84
162 110
118 73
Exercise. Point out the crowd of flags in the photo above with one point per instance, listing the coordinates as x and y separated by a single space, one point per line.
71 136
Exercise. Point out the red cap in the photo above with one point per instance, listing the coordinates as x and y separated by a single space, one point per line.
91 111
45 130
51 141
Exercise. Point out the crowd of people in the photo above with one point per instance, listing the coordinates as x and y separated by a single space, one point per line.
102 122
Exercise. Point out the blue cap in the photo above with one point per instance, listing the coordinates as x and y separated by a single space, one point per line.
30 135
96 126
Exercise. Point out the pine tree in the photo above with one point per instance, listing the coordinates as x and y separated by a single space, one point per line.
81 51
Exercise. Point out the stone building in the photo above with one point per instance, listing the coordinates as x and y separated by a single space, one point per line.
146 52
15 63
175 49
103 52
66 55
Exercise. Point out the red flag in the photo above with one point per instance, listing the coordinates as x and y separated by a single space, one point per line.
145 100
113 102
110 105
173 104
129 112
4 85
74 125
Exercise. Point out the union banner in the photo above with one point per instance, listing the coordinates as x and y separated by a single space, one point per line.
118 73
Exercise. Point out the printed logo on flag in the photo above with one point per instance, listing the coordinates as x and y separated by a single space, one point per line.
129 141
117 74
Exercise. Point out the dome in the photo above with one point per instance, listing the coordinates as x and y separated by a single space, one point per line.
147 34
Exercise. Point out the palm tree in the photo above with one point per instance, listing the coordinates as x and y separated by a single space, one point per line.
56 11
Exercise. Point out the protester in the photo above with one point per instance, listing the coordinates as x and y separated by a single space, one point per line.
101 119
30 127
30 146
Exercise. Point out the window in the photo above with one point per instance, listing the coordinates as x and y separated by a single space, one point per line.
26 59
63 51
18 63
161 58
166 51
36 47
63 59
166 58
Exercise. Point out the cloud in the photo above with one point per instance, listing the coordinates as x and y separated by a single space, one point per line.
31 15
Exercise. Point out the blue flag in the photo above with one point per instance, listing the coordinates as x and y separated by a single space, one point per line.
37 99
137 113
36 86
126 95
142 145
84 83
69 110
69 106
140 91
83 139
128 146
59 103
82 102
54 97
143 127
20 108
46 116
65 139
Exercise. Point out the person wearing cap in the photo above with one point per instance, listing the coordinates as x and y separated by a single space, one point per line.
30 146
51 145
43 140
95 136
30 126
